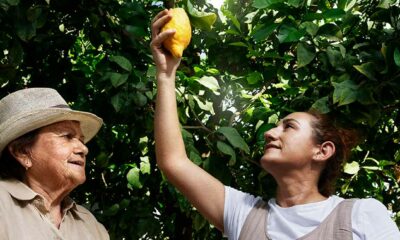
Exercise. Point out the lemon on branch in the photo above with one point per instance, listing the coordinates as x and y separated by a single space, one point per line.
181 39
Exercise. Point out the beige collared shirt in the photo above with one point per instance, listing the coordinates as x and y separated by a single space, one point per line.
24 217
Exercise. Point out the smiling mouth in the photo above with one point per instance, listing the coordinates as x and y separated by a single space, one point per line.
268 146
78 163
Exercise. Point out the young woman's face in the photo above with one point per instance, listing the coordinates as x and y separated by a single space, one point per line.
290 144
59 155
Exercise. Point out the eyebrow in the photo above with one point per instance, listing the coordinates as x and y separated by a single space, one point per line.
73 131
287 120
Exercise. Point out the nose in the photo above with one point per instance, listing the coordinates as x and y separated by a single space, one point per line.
270 135
81 148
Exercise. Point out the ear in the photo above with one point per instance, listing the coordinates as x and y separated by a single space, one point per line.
324 151
21 157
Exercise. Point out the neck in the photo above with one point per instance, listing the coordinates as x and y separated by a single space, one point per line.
297 190
53 197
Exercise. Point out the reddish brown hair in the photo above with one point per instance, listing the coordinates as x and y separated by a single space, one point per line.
326 129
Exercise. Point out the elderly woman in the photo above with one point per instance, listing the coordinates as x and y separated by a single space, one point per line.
43 158
303 153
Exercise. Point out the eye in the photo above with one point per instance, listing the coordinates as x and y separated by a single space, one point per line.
68 136
288 125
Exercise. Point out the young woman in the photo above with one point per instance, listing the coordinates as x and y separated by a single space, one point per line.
303 153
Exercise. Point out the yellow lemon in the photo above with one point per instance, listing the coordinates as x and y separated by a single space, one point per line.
181 39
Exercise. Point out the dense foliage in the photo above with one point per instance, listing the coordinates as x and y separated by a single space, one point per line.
261 60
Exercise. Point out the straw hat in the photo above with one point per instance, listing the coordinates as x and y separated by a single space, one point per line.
32 108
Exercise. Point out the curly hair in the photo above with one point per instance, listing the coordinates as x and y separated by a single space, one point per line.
326 129
10 168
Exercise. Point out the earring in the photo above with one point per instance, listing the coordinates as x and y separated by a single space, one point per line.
27 165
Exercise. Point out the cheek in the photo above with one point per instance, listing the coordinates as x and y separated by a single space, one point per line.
52 153
300 146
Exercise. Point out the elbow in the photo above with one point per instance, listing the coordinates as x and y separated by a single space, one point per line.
171 164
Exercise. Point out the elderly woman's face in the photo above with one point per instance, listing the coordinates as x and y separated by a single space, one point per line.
59 155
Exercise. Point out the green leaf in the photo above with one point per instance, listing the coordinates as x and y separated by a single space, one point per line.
231 17
133 177
210 83
345 92
396 56
312 16
351 168
139 99
213 71
369 115
382 15
145 165
112 210
365 96
13 2
194 157
232 32
322 105
260 4
201 20
102 159
106 37
123 62
335 57
238 44
25 31
385 4
385 163
397 156
117 79
330 31
310 27
206 106
254 77
33 14
373 114
333 13
16 53
262 33
199 222
136 31
228 150
117 101
234 138
151 72
344 188
305 54
289 34
198 71
367 69
261 131
346 4
294 3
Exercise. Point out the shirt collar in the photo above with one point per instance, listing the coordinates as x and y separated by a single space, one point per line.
18 189
22 192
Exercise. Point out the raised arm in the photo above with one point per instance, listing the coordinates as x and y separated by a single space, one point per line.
204 191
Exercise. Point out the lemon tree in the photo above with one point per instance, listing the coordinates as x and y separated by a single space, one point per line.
248 64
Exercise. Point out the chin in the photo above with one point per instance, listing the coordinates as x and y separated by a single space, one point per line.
267 162
78 180
82 180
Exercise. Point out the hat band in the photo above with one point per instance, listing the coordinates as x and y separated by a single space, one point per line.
61 106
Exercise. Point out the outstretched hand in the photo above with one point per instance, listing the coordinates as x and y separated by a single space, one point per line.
165 62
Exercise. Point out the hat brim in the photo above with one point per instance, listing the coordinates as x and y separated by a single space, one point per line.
17 126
